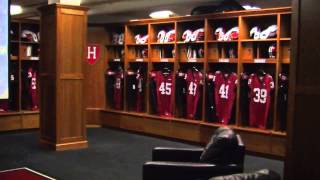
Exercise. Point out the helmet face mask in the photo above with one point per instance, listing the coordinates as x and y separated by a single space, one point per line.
161 36
219 33
187 35
255 32
270 32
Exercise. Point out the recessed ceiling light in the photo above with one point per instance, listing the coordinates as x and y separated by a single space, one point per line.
161 14
15 9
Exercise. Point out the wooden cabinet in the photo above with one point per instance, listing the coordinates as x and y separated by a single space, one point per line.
243 54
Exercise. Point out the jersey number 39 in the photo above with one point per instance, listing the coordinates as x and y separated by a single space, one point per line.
260 95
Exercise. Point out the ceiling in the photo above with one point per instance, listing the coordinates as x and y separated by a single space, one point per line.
102 11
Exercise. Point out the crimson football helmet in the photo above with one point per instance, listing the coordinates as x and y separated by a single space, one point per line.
187 35
232 34
140 39
170 36
197 35
29 36
161 36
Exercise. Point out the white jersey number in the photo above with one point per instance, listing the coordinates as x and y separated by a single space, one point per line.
192 88
260 95
165 88
224 91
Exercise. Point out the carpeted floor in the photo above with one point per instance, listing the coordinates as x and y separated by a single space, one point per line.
112 155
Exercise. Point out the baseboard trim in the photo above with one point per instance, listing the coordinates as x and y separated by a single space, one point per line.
64 146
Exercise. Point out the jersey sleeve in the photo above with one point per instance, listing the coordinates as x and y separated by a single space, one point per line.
250 80
271 82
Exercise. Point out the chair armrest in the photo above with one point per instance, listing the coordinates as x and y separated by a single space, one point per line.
160 170
176 154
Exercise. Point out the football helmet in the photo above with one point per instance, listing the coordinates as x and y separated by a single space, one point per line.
219 33
272 51
232 34
140 39
29 36
270 32
115 38
198 35
255 32
161 36
170 36
187 35
121 38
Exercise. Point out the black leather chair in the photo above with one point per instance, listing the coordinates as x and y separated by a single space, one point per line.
263 174
223 155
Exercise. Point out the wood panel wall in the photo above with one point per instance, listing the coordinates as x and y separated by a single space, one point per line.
63 32
302 161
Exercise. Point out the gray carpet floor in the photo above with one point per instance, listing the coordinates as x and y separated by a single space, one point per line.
112 155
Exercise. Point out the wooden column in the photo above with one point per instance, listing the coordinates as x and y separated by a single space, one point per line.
63 45
303 150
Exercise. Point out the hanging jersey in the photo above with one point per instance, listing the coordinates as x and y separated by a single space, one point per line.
225 93
135 90
131 89
32 74
244 98
139 91
283 100
194 81
181 93
118 90
259 94
164 92
211 107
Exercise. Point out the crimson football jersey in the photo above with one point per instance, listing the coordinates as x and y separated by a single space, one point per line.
194 81
32 74
259 95
225 92
164 92
118 90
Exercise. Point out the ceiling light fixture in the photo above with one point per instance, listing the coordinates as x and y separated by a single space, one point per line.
15 9
249 7
161 14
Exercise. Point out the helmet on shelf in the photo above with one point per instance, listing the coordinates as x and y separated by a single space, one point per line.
187 35
232 34
170 36
29 36
161 36
219 33
270 32
255 32
198 35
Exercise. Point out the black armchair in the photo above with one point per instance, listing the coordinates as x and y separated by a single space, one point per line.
223 155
